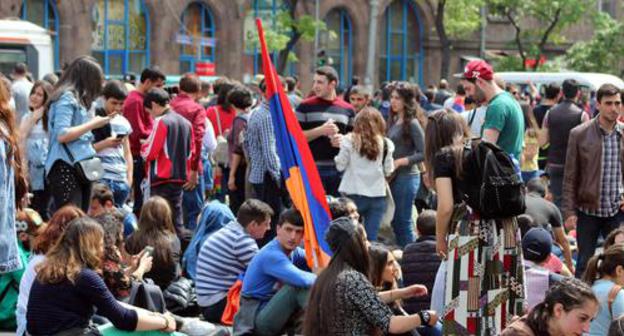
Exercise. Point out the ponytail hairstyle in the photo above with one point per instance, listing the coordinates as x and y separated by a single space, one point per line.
571 293
604 264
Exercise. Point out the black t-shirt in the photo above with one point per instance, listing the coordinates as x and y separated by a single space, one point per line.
540 112
543 212
444 166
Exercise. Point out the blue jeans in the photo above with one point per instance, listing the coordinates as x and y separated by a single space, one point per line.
587 230
435 330
404 188
372 210
192 203
330 178
555 174
120 189
207 176
529 175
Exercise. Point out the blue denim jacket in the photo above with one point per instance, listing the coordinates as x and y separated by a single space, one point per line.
37 145
9 252
64 113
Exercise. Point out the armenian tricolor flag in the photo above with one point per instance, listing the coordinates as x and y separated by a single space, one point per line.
298 167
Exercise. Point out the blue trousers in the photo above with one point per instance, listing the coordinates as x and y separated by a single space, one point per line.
372 210
192 203
404 188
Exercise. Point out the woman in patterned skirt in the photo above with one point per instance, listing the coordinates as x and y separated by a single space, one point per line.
484 274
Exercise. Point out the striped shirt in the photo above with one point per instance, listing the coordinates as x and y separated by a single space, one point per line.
314 112
223 257
113 160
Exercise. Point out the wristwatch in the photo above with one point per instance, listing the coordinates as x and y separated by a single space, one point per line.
425 317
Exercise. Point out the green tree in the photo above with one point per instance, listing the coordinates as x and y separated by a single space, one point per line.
603 53
453 19
539 22
286 29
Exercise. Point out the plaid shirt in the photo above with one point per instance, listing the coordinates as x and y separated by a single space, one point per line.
611 180
260 146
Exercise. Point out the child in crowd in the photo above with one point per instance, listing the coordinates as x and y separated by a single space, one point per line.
420 261
605 273
536 246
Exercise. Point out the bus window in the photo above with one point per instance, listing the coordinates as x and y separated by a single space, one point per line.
9 57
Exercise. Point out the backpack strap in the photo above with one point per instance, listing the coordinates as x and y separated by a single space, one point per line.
611 298
385 151
473 114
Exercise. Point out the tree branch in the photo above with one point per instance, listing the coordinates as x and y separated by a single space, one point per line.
518 38
549 30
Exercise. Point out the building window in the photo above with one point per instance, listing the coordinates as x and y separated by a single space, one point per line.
338 49
401 39
196 36
44 14
120 35
267 10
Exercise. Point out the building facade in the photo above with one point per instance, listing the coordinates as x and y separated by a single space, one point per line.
178 35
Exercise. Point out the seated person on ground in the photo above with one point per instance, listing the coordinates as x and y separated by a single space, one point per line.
536 245
545 214
225 255
384 272
553 263
421 261
277 281
102 200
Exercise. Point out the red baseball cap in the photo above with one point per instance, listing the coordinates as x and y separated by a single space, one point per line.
478 69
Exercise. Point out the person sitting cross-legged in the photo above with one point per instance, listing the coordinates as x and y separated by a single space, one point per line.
279 264
226 254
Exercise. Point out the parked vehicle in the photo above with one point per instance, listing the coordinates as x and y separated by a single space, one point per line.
23 41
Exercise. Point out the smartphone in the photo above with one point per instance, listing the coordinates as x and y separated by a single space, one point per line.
121 136
148 250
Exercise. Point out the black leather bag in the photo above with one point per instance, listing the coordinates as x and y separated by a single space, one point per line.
145 294
181 298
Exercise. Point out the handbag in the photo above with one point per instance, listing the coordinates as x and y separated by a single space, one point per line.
386 220
147 295
221 152
88 170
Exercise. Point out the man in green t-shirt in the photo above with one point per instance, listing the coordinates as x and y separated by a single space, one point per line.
504 122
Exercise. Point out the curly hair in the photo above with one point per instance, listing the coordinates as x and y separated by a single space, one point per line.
368 127
50 233
410 95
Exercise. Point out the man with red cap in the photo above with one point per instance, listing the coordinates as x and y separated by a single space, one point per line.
504 121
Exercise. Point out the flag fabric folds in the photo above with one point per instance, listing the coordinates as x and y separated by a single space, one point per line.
297 164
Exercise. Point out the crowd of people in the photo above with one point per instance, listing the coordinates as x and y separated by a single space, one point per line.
477 211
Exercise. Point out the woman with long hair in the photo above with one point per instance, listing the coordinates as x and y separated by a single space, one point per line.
488 249
365 157
155 229
13 185
119 269
68 287
46 237
605 273
34 143
406 132
343 301
567 310
69 125
384 274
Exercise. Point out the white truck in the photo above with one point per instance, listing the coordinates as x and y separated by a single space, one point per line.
23 41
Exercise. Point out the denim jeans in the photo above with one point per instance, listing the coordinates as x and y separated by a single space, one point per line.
587 230
330 178
555 174
192 203
372 210
208 175
435 330
120 189
404 188
529 175
9 251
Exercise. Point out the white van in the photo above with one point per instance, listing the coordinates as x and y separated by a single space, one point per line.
591 81
23 41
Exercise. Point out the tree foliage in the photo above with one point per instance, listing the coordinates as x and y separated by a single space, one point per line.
284 30
603 53
539 22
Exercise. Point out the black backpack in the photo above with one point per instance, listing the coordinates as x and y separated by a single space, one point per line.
493 187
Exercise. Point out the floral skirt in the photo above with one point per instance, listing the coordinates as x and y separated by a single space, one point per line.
484 275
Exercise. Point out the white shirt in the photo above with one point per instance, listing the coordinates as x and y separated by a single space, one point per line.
477 121
362 176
